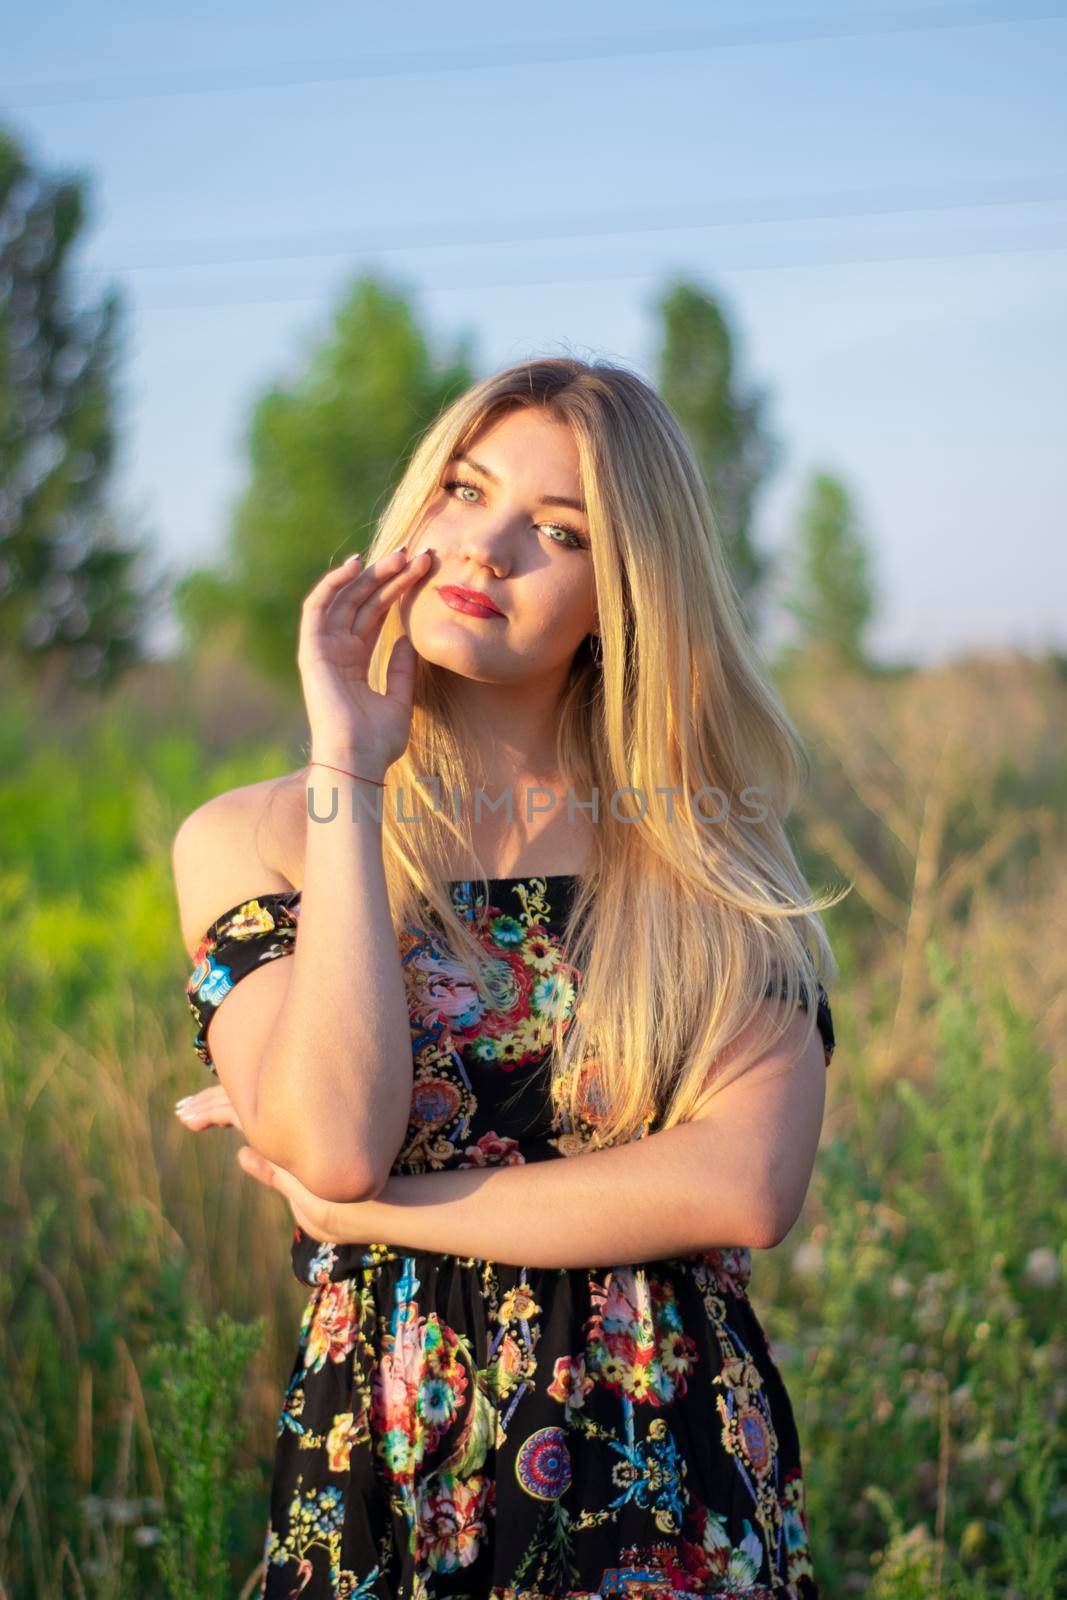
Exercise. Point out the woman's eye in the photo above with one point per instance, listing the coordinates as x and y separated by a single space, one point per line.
572 539
457 484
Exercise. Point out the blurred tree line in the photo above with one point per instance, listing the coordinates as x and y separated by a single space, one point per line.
325 448
74 594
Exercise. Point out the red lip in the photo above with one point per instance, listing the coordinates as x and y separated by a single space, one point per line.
471 601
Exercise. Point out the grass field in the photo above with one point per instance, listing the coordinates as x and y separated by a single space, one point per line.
918 1309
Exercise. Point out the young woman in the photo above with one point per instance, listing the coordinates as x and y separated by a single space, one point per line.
547 1058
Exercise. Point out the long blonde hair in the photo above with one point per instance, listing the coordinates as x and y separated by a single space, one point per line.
684 923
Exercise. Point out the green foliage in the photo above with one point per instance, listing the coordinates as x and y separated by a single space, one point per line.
917 1316
99 1191
198 1416
73 598
832 598
725 428
930 1351
326 452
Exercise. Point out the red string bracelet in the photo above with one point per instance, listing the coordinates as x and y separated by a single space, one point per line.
347 774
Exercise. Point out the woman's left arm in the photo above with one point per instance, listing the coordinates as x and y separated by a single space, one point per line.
735 1176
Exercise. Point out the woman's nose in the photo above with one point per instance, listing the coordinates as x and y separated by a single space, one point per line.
490 545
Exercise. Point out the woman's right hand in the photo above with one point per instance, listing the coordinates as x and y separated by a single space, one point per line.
340 622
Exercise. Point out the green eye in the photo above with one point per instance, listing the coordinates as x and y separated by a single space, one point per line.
572 539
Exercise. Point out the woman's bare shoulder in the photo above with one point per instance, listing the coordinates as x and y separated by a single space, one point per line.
246 841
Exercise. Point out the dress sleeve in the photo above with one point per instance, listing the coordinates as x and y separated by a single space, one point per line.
236 943
823 1016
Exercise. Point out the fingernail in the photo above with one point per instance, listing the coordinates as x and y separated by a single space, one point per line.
184 1101
349 559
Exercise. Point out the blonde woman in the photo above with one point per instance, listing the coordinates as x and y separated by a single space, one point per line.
547 1058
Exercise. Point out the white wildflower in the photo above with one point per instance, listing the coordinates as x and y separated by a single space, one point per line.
808 1258
1042 1267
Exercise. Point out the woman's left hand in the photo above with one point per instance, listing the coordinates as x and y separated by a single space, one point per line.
317 1217
212 1108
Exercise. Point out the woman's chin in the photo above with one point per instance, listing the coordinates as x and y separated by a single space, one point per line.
455 650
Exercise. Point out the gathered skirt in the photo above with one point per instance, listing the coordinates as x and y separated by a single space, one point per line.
464 1428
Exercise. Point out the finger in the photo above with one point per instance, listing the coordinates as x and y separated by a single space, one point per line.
321 620
328 1221
309 1212
201 1113
368 575
197 1117
311 1207
363 614
256 1165
205 1100
313 1215
318 599
400 673
364 617
334 578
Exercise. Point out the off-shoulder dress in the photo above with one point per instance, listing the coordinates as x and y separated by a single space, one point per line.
460 1427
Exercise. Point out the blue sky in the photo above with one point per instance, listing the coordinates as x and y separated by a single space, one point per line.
877 194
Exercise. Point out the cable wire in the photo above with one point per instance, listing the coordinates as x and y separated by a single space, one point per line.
658 272
476 58
1015 191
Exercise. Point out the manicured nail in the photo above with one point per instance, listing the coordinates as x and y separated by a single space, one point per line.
184 1101
349 559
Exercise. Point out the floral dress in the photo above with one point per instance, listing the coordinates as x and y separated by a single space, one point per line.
460 1427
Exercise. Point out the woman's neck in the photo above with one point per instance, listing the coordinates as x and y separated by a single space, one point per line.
552 845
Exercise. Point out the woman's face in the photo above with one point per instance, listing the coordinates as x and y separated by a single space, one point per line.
499 528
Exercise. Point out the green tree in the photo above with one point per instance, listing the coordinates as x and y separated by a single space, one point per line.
697 379
326 451
73 602
832 597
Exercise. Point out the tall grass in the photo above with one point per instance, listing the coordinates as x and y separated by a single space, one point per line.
918 1310
928 1315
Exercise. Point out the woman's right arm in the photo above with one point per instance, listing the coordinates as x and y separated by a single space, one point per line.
314 1050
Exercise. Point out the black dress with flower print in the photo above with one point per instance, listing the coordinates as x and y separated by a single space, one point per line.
460 1427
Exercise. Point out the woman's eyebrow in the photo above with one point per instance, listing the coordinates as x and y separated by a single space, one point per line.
545 500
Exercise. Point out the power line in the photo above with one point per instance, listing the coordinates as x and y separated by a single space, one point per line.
473 58
616 277
680 219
